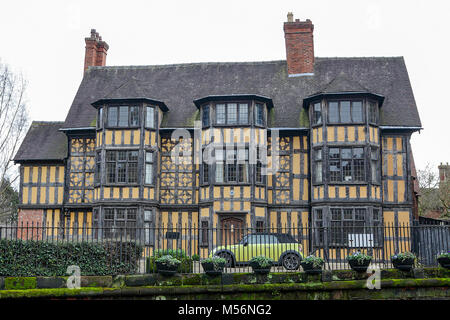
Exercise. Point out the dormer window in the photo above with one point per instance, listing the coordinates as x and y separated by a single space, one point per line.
231 113
345 111
123 116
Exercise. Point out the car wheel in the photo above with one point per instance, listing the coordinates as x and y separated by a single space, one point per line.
227 257
291 261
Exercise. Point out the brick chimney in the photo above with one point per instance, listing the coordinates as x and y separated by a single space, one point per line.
299 46
96 51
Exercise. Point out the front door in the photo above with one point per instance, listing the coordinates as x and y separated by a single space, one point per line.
232 230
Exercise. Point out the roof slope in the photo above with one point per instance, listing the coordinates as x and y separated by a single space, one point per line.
178 85
43 141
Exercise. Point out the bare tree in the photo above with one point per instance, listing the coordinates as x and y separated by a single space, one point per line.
13 125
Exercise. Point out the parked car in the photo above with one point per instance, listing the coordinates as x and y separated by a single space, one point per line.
282 248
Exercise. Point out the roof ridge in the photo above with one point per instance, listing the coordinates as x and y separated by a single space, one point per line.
233 62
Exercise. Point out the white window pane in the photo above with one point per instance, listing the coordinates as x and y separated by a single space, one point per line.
149 117
123 116
232 113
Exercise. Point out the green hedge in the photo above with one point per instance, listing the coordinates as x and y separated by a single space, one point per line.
20 258
185 266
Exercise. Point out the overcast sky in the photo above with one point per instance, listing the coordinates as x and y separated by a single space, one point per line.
45 41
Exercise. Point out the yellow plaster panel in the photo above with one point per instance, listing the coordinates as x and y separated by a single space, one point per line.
399 165
247 206
226 192
25 195
26 174
352 192
34 195
296 189
390 190
216 192
321 192
363 192
341 192
403 217
296 163
305 164
361 134
135 193
401 191
52 174
314 135
351 133
305 189
296 142
259 212
42 196
118 137
390 165
127 137
136 137
330 134
226 205
320 135
388 217
106 193
125 192
108 137
399 144
246 192
116 193
340 134
51 195
247 135
34 178
61 174
60 194
44 175
204 212
331 192
216 206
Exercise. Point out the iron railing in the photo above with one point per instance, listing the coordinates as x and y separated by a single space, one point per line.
239 245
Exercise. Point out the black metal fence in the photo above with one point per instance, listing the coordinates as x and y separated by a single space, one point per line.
285 245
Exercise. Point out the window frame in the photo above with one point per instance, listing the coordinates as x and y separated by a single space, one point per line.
118 118
151 163
226 114
238 164
146 125
352 161
110 230
339 112
314 121
127 161
260 106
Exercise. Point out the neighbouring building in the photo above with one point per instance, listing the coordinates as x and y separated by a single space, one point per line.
341 128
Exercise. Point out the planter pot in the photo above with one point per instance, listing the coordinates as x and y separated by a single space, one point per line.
166 270
309 269
359 267
444 262
405 265
260 270
210 269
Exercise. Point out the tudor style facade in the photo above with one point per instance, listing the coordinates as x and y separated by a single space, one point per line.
341 128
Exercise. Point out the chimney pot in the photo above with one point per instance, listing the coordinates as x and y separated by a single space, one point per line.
290 17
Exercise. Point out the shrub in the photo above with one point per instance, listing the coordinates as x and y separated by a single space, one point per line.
19 258
359 257
443 255
316 262
195 257
404 256
261 262
168 261
184 267
217 262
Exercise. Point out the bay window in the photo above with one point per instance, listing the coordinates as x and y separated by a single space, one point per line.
346 164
